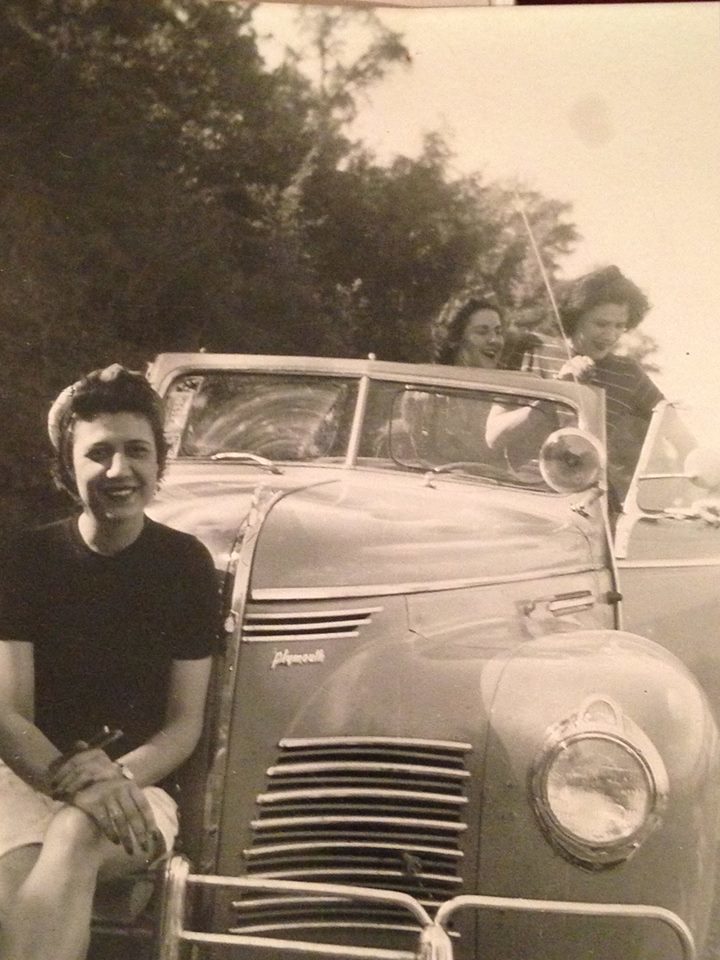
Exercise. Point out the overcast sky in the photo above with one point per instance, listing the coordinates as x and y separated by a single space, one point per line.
614 108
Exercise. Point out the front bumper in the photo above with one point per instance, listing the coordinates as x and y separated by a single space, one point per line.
434 943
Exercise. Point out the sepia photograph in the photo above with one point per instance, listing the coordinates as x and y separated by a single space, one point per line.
359 480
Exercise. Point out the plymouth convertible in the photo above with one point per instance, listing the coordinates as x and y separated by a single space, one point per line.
466 702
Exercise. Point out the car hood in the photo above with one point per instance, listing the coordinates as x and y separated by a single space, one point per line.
363 532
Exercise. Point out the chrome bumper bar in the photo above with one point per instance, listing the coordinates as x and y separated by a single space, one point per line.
433 940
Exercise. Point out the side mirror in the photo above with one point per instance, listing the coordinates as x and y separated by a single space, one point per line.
702 468
571 460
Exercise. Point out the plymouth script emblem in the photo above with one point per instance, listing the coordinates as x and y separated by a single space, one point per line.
283 658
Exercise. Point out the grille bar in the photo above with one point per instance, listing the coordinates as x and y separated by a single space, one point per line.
449 826
323 925
313 846
328 767
306 906
359 793
360 877
398 745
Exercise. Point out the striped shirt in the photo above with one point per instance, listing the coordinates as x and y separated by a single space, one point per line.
630 396
629 391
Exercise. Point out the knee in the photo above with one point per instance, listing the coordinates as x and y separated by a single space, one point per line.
73 832
15 867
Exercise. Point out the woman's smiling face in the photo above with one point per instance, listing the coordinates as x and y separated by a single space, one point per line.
482 340
115 464
599 329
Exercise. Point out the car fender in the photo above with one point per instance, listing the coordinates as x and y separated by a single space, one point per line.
545 682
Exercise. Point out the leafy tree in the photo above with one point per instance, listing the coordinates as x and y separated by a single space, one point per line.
392 249
411 242
519 225
114 239
165 189
292 273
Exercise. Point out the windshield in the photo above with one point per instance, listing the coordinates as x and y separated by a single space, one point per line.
445 431
274 416
243 417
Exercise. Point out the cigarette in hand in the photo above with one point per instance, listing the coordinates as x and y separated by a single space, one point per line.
103 738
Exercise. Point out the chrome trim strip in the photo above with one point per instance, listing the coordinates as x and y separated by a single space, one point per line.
305 624
253 853
279 823
299 743
664 476
430 586
343 766
669 564
559 607
343 793
264 498
333 615
358 421
292 637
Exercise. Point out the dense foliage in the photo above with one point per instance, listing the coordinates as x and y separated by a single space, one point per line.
165 188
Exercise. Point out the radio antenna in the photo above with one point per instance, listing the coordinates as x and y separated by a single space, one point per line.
520 208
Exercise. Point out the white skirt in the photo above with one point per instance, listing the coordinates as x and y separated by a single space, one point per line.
25 813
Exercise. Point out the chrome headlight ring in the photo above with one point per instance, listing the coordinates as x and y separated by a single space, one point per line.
598 785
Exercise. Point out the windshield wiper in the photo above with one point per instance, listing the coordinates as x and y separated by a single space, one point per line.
244 456
481 471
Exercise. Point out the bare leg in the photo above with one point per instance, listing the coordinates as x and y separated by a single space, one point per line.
15 867
51 911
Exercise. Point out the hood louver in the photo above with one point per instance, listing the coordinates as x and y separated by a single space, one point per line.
287 625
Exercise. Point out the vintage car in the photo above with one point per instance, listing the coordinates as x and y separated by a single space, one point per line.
451 718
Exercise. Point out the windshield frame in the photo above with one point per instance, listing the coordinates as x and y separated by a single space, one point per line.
586 402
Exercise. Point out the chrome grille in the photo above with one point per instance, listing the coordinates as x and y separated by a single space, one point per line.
292 624
372 811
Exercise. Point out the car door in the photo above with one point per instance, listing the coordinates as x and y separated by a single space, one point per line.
668 552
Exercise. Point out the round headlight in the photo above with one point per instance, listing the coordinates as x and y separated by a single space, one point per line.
596 794
598 791
571 460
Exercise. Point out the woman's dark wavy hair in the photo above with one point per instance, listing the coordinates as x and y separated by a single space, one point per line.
456 328
110 390
605 285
